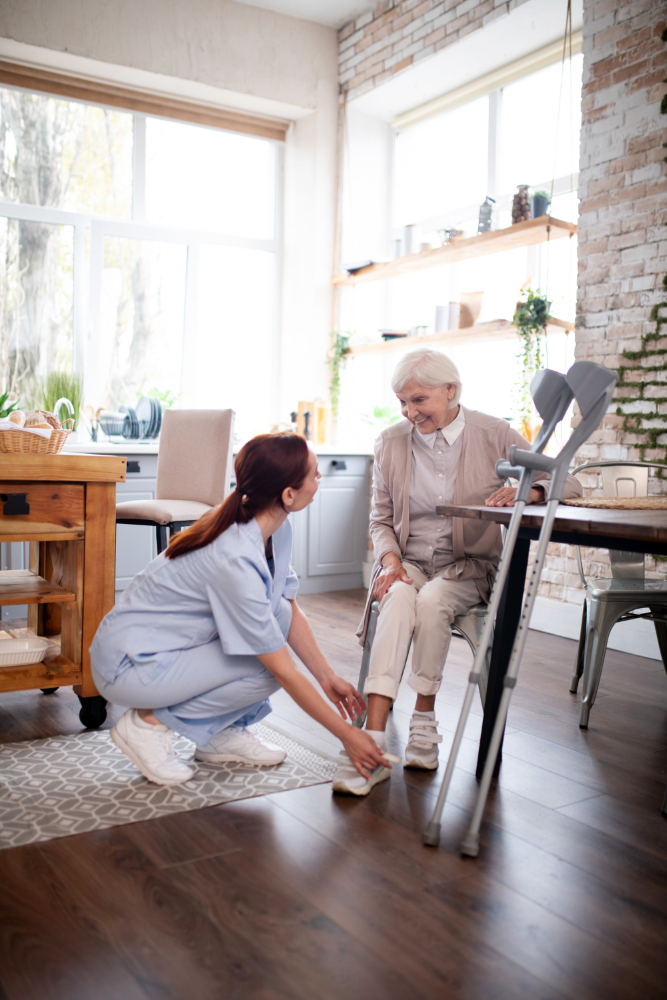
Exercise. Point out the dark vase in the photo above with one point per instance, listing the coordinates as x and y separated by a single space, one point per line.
540 205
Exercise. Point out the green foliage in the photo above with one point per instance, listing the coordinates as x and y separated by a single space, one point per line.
47 391
166 396
5 407
652 378
336 360
383 416
541 194
530 319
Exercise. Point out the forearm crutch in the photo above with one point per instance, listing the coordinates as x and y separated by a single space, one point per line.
552 396
592 386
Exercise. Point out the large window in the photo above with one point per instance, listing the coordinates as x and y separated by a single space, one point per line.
138 251
444 166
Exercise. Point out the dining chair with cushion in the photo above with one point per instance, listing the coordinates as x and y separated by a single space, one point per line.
469 627
194 468
625 596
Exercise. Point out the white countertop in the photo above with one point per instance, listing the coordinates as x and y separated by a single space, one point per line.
151 448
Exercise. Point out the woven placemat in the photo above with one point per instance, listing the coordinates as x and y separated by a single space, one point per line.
620 503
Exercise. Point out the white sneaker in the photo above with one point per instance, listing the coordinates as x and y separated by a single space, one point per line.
149 749
348 781
421 752
240 746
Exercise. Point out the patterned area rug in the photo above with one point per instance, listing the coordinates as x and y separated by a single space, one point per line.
71 784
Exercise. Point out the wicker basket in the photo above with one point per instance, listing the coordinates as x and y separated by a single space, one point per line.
620 503
21 442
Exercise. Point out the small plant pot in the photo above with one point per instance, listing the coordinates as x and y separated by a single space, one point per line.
540 205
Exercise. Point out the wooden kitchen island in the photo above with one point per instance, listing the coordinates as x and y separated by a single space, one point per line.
65 507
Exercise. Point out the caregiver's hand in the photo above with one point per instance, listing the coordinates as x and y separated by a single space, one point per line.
504 497
344 696
392 570
363 751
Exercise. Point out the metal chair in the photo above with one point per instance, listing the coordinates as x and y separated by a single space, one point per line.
194 466
619 598
469 626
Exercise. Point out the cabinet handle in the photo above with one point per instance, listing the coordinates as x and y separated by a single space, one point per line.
14 503
133 466
339 465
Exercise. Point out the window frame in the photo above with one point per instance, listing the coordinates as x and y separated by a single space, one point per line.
86 307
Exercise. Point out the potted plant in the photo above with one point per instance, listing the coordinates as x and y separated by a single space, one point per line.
530 319
336 360
540 203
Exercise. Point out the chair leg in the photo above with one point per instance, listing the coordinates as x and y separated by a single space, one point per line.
161 537
601 620
664 804
471 629
579 665
366 657
661 635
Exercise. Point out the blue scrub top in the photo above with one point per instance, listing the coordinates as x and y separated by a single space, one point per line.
225 589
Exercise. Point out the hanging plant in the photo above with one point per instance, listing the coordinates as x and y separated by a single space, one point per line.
530 320
336 360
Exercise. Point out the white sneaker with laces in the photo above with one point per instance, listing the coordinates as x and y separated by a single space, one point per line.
149 749
421 752
348 781
240 746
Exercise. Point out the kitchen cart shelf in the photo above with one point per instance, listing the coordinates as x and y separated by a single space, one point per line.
503 330
21 586
523 234
52 673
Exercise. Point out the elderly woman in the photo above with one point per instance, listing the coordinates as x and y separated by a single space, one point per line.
429 568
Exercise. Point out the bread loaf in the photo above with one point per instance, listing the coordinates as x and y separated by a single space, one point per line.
17 417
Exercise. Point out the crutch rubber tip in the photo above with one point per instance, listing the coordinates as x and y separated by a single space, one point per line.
470 845
431 835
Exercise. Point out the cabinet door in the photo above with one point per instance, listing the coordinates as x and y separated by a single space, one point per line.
135 544
300 542
336 522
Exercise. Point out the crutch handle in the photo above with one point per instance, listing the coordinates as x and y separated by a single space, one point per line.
505 470
530 459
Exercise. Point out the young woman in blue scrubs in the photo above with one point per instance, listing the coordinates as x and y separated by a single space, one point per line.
199 640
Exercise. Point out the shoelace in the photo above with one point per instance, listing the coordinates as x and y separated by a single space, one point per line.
165 744
424 733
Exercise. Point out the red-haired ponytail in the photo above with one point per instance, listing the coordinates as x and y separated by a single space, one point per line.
265 466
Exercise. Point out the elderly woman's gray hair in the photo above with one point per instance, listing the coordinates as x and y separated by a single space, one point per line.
428 368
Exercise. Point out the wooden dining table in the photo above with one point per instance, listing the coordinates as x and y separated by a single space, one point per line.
628 530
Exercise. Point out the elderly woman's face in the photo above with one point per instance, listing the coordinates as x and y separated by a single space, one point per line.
427 409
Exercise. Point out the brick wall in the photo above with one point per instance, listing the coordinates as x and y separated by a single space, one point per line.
622 234
398 33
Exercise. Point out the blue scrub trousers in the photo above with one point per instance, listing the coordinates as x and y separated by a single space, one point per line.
203 692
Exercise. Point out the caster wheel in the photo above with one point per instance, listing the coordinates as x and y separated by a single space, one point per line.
49 690
93 711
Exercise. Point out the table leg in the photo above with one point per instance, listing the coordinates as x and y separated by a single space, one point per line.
507 623
99 570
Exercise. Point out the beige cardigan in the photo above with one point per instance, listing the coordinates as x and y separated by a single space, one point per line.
477 544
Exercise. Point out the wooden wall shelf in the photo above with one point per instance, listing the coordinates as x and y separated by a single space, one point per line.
523 234
503 330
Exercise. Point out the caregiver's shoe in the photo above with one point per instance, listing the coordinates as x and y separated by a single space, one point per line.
240 746
421 753
149 748
348 781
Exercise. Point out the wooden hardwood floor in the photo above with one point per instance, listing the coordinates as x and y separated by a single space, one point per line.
305 896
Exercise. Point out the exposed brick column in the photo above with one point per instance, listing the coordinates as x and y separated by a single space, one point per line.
623 211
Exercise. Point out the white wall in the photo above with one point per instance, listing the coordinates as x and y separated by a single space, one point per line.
240 56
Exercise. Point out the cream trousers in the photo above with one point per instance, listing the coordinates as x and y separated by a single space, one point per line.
427 607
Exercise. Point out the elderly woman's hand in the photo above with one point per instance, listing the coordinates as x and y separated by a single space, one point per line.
504 497
392 570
